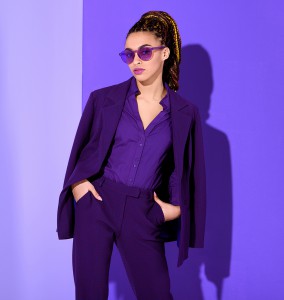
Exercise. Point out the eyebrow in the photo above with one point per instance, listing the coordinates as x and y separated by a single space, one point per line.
138 47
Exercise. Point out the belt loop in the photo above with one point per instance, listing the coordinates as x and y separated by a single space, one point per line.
133 191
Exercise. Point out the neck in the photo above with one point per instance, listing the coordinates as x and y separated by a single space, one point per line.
154 91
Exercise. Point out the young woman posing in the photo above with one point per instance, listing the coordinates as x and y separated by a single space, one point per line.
136 171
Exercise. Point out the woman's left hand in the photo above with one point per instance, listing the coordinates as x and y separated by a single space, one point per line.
170 211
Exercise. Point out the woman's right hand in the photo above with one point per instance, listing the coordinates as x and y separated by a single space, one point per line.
80 188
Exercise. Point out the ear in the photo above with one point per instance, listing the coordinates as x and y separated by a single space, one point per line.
166 53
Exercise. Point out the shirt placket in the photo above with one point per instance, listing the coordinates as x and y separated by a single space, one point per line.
143 136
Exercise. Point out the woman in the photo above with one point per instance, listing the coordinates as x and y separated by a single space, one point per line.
136 160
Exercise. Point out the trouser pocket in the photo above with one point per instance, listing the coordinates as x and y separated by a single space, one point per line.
155 214
81 198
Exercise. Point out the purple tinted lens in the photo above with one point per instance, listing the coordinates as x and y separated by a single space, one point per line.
127 56
145 53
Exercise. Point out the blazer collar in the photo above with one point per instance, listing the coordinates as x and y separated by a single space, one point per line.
117 95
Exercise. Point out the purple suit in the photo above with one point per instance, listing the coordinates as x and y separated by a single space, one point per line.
92 142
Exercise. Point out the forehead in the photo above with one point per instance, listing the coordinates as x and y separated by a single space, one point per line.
136 39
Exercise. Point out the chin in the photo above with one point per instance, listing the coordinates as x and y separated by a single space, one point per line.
143 77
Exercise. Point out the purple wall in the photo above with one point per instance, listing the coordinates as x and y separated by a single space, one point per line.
232 68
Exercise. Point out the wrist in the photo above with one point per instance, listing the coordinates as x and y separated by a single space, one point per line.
77 183
176 211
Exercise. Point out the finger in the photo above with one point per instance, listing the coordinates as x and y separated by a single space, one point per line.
158 200
96 194
156 197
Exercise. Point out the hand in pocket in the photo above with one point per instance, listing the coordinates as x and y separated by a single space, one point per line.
81 188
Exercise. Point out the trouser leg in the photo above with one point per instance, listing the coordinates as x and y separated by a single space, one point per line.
92 249
142 251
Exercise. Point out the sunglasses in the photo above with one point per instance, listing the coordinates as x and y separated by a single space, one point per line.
145 53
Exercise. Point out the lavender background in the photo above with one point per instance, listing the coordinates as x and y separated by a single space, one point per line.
232 68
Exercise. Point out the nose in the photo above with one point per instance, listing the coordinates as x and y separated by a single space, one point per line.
136 59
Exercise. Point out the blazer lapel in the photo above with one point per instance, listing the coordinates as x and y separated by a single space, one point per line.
111 112
113 107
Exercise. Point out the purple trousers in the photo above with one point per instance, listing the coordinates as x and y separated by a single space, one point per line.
129 217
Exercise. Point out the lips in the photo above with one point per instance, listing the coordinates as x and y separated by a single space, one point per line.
138 71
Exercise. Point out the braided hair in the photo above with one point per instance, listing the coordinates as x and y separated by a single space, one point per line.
165 28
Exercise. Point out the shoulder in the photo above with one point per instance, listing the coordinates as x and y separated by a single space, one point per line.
191 108
98 96
110 88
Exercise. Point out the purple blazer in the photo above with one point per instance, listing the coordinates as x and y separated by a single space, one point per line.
92 142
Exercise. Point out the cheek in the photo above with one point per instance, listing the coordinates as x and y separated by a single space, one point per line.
156 64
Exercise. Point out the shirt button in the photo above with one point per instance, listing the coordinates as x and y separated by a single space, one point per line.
134 165
140 144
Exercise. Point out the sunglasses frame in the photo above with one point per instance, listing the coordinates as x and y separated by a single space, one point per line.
140 49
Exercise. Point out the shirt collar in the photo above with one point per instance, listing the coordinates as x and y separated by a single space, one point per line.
133 90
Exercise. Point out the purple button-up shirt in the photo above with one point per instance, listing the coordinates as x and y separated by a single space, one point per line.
136 156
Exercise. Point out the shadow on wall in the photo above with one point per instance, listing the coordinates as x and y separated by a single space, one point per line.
196 85
188 282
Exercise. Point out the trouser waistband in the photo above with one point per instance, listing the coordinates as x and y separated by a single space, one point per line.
127 189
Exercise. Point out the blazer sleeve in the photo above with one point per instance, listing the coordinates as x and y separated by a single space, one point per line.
197 183
82 135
